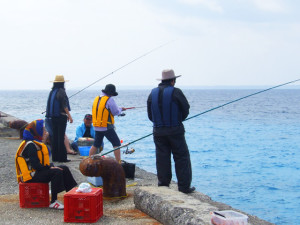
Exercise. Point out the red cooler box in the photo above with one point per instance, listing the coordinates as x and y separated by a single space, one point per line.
83 207
34 195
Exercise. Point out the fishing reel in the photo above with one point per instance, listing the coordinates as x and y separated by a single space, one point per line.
129 151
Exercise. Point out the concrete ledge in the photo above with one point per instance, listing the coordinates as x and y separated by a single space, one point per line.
172 207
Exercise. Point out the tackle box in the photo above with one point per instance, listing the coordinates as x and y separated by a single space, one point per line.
229 217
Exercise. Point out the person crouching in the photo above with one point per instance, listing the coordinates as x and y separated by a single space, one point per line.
36 167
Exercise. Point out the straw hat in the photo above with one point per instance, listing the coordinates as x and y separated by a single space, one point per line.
168 74
59 79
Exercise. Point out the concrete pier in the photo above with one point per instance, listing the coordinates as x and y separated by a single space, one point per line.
146 203
172 207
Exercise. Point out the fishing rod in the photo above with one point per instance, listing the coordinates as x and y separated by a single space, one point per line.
123 114
236 100
136 107
121 67
122 146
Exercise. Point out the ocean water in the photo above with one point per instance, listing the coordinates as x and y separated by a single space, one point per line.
246 154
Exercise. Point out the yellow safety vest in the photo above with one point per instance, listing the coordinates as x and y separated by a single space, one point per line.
100 114
23 170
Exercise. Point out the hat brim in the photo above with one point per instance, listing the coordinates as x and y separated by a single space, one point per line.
169 78
55 81
113 94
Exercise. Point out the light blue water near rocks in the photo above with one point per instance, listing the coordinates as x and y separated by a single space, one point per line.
246 154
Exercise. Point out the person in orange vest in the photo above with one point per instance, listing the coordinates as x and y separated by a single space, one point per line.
33 164
103 112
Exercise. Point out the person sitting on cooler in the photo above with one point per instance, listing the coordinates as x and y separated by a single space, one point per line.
85 133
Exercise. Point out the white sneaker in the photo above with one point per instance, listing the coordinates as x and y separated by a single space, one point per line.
56 205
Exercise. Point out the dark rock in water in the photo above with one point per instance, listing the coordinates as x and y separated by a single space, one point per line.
112 173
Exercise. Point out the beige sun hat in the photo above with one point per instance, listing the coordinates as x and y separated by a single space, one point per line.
59 79
168 74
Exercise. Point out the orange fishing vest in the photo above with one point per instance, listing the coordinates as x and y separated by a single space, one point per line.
23 170
100 114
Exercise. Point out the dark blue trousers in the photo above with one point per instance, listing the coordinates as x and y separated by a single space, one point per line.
175 145
59 152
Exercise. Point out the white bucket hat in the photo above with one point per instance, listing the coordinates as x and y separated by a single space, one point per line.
168 74
59 79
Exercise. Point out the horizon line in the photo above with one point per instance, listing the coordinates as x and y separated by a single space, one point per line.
204 87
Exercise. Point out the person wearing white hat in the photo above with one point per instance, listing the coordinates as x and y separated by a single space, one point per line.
57 115
167 107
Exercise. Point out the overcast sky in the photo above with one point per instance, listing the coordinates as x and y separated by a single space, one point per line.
214 42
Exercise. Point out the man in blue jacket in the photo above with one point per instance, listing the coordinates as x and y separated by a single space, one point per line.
84 130
167 107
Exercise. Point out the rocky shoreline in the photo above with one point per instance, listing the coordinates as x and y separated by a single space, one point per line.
144 197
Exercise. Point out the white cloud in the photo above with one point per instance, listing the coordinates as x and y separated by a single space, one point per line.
210 4
276 6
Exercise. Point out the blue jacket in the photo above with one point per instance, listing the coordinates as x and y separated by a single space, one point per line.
80 130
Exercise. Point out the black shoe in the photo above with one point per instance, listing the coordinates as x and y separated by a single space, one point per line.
189 190
163 185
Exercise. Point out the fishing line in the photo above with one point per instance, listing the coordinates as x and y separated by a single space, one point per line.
236 100
111 73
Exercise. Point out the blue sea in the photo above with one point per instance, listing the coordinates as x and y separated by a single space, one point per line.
246 154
